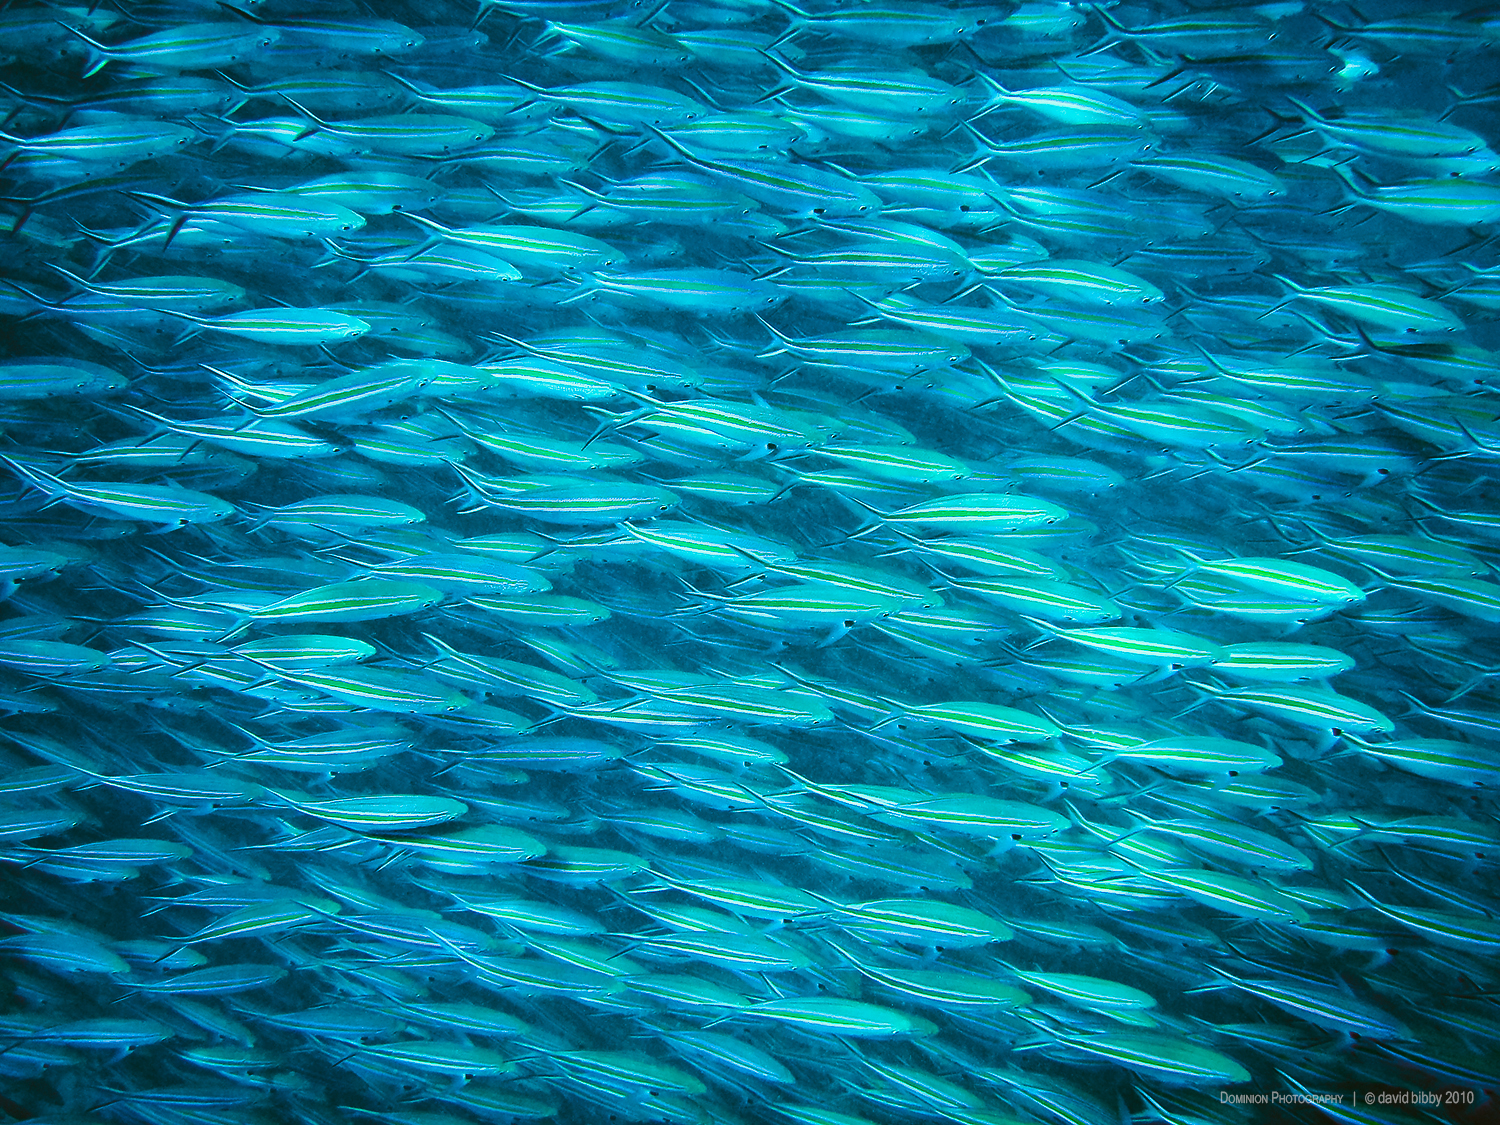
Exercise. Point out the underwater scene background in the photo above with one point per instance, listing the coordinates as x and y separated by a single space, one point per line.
712 562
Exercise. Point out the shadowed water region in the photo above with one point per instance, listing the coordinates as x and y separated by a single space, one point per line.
717 562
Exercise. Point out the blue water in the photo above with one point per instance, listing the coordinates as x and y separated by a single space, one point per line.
708 563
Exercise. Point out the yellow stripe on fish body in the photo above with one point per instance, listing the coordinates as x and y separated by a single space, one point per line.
551 609
384 813
366 599
1153 647
150 503
1213 174
1281 662
1394 136
530 247
945 989
1441 759
1199 755
1067 105
810 603
831 1015
908 92
1040 597
1168 1059
982 512
1290 580
1233 894
1454 201
397 691
1319 708
1467 596
623 104
1090 282
985 720
692 289
191 46
1380 306
581 501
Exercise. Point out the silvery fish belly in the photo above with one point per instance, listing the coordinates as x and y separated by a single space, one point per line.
749 562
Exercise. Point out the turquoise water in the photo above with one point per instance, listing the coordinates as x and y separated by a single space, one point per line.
717 563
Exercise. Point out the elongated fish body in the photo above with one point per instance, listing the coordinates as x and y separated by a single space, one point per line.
193 46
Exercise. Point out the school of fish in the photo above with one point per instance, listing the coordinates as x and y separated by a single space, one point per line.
719 561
